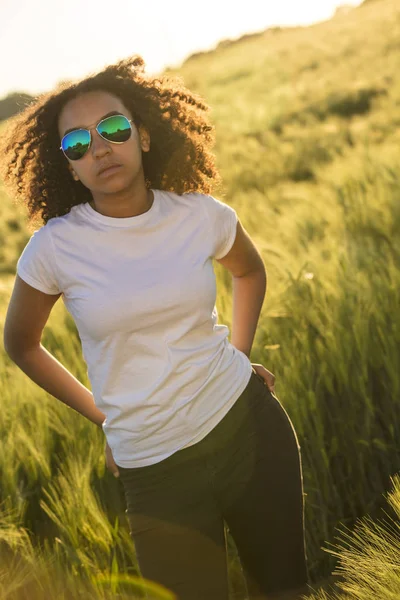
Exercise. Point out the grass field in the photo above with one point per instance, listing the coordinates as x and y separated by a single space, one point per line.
308 145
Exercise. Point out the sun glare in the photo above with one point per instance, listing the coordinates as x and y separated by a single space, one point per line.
78 37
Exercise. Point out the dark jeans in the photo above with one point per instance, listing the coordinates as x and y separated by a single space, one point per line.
246 472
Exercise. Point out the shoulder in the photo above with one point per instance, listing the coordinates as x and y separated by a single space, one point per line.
60 221
187 198
192 202
203 201
58 225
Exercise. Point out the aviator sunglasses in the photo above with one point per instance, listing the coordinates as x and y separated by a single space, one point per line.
116 129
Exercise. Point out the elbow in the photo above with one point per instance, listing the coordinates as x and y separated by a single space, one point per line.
260 269
17 351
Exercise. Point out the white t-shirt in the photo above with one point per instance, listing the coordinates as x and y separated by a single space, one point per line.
141 291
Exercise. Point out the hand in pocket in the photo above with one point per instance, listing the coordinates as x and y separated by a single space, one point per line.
110 463
267 377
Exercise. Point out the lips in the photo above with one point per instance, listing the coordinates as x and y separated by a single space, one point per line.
106 167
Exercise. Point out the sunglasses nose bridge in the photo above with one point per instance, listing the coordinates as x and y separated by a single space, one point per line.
96 138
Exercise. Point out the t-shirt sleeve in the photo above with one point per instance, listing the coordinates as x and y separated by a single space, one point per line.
222 220
36 265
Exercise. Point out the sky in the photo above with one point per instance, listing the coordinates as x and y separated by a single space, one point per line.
45 41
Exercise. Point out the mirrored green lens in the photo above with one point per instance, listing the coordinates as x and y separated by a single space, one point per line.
115 129
76 143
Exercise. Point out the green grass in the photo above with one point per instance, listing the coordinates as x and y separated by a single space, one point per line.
308 132
368 557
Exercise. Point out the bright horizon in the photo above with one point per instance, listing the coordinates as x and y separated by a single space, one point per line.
49 41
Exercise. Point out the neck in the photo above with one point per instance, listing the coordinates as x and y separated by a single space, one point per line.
124 205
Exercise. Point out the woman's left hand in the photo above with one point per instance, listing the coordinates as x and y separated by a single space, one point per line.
110 463
267 376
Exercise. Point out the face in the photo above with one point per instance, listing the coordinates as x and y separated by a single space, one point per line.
86 111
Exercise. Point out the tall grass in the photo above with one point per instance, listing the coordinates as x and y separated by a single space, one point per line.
369 557
334 347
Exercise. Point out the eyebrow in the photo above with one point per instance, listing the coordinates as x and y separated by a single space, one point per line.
110 114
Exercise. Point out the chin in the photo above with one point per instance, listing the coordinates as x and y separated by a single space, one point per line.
113 185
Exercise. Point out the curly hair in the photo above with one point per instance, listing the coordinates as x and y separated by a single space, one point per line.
180 158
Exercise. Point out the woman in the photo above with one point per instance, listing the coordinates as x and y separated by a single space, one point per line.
120 168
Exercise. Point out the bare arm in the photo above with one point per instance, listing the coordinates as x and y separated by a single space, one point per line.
26 317
45 370
249 288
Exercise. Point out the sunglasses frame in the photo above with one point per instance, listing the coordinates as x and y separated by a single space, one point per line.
130 121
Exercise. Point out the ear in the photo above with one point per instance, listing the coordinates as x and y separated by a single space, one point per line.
144 138
74 175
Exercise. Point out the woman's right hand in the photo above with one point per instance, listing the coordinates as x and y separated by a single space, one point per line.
110 463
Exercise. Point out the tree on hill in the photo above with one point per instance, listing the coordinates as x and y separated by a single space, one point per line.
13 104
343 9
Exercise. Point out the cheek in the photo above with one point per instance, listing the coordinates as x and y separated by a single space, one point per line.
131 150
82 172
130 154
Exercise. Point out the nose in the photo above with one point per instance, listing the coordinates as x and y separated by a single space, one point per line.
99 145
